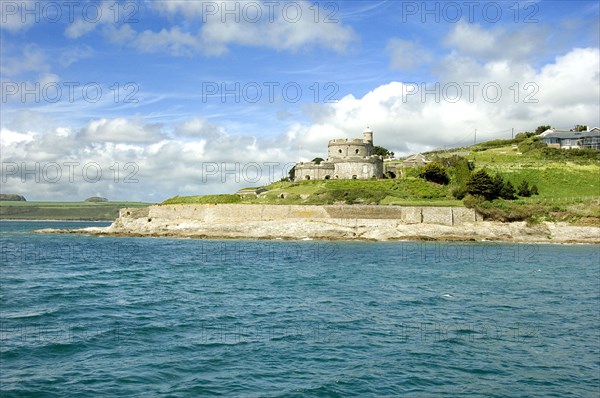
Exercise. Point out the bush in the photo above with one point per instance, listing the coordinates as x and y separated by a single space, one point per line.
532 144
459 191
569 154
508 191
435 172
534 190
524 189
472 202
523 136
496 143
504 211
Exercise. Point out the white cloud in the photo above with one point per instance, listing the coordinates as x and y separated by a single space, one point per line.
407 54
121 130
195 157
279 28
30 59
73 55
13 16
101 14
8 137
173 41
519 45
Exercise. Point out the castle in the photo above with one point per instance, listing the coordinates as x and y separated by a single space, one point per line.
347 159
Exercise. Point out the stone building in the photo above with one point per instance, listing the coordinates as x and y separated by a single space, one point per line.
348 158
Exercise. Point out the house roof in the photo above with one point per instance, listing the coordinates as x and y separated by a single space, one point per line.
417 158
554 131
572 134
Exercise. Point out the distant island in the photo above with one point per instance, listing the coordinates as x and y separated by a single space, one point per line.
96 199
12 197
89 210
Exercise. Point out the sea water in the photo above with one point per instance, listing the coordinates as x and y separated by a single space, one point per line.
136 317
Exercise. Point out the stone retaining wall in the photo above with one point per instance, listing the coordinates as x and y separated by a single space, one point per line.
232 213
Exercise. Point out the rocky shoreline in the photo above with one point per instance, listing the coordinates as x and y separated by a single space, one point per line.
366 223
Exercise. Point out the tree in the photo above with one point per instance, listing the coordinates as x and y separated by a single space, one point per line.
435 172
508 191
482 184
579 128
381 151
292 173
520 137
523 189
498 185
541 129
318 160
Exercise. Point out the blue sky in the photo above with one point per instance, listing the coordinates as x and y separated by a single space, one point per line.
180 83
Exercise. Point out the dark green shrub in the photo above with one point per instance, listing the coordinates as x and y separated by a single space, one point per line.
435 172
482 184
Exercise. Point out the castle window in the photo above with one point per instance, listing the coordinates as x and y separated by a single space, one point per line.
327 177
307 178
356 151
340 151
354 177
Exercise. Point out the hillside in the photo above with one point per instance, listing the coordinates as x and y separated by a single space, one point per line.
568 183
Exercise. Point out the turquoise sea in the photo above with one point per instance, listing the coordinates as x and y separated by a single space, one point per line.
141 317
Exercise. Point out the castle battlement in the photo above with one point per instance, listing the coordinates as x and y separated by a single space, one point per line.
314 164
348 158
354 158
346 141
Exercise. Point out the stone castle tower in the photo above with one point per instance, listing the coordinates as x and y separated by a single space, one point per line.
348 158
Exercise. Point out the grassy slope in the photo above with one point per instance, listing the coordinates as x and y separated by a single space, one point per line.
409 191
63 210
569 187
555 179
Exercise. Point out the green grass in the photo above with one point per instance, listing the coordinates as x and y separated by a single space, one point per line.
98 211
408 191
554 179
206 199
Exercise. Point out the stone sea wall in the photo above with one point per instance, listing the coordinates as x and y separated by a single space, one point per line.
343 222
232 213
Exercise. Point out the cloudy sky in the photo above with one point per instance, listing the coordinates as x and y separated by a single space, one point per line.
144 100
